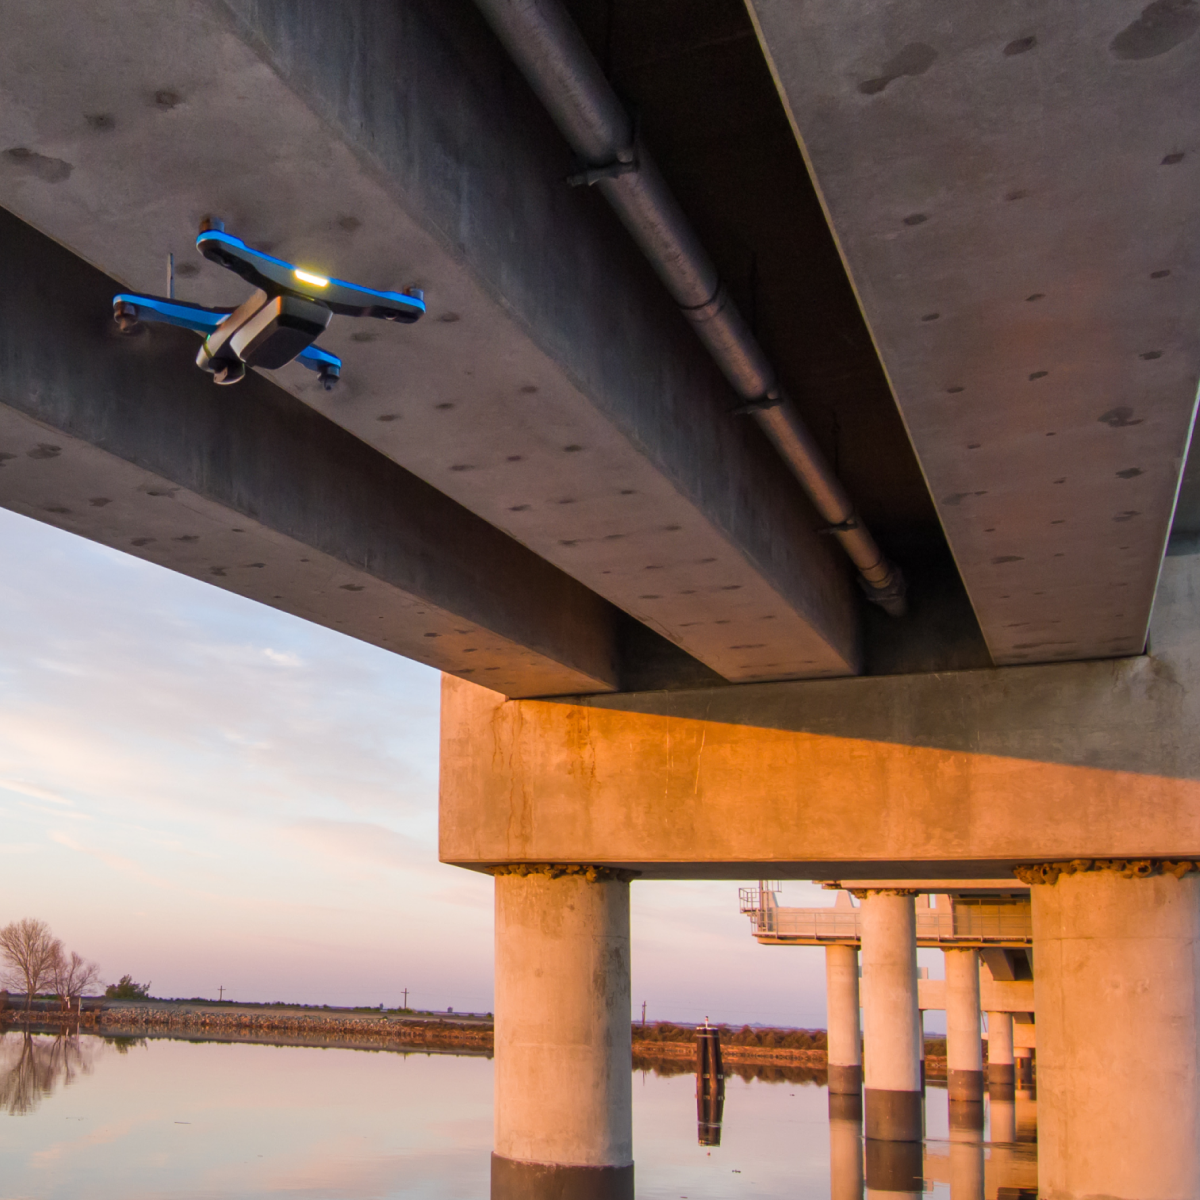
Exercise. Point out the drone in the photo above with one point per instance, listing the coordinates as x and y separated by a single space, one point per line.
289 310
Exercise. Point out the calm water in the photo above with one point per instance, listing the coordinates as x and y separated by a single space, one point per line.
91 1120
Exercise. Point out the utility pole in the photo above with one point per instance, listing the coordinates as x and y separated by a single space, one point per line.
643 1014
220 993
406 998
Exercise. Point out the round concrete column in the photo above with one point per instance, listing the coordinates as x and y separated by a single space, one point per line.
892 1068
1001 1075
563 1119
1023 1066
1116 992
844 1037
964 1041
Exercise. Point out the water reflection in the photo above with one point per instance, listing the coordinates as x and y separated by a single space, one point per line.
32 1065
710 1086
151 1119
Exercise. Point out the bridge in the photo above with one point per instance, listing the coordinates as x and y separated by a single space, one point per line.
789 475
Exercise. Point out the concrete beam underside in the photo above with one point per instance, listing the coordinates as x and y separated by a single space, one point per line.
554 390
120 440
686 797
1013 195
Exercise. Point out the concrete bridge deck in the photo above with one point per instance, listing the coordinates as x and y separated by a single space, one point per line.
964 255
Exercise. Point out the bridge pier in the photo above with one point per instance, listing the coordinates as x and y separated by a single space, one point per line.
844 1035
1001 1068
1116 946
890 1017
563 1123
964 1046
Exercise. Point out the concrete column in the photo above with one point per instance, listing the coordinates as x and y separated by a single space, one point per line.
1116 990
563 1119
844 1036
1001 1075
964 1041
892 1071
1023 1066
845 1146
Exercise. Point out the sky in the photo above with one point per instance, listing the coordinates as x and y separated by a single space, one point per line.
200 791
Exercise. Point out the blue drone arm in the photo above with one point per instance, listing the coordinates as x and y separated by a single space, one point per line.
195 317
131 307
274 276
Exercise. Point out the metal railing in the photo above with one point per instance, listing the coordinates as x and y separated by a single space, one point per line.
962 922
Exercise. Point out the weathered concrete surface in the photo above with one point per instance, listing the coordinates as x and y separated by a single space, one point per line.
248 489
864 795
964 1041
844 1054
995 995
554 389
563 1044
1013 188
1118 992
891 1039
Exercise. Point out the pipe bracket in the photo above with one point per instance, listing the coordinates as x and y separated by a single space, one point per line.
611 170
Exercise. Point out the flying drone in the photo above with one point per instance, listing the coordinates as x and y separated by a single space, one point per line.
289 310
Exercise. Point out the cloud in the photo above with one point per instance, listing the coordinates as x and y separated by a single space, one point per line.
32 789
357 842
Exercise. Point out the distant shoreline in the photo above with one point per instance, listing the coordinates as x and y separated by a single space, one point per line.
671 1045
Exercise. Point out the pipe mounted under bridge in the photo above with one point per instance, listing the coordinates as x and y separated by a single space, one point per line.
737 315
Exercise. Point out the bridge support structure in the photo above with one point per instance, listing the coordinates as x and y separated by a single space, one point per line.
892 1076
564 1066
1117 984
844 1036
886 782
964 1046
1001 1072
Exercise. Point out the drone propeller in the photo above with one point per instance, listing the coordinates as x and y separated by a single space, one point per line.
278 324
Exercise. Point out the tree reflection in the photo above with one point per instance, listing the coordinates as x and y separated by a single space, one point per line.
33 1065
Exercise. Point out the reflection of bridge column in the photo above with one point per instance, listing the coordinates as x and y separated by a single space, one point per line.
1025 1104
894 1169
889 987
1116 950
966 1168
563 1056
1001 1077
964 1044
1002 1116
844 1038
1023 1066
845 1147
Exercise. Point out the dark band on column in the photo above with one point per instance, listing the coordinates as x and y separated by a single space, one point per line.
513 1180
965 1085
894 1116
846 1080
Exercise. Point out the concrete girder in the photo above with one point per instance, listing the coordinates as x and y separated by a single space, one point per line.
917 777
554 390
1013 193
110 438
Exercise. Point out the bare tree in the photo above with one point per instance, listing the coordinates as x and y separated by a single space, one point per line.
74 977
30 952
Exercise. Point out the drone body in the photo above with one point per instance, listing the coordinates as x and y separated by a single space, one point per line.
278 324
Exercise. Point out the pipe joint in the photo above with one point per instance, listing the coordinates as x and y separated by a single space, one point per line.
891 593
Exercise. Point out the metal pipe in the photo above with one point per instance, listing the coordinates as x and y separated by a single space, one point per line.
548 47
